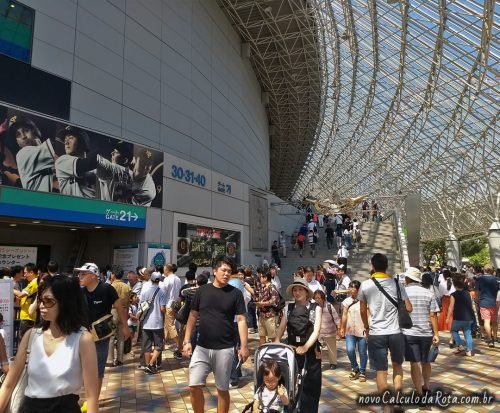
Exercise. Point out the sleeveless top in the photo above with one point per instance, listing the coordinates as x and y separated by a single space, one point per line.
57 375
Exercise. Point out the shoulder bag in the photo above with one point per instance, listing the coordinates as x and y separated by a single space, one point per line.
329 307
403 315
17 396
145 306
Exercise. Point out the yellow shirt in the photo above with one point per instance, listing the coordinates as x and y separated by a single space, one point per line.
31 289
123 291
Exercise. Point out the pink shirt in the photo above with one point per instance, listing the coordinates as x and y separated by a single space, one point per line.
328 323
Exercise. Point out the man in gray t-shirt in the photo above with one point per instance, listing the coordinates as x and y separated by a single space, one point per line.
384 333
152 330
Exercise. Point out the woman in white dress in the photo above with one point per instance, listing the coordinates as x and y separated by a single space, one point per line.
62 355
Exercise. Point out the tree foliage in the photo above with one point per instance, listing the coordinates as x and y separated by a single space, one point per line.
480 258
434 250
471 247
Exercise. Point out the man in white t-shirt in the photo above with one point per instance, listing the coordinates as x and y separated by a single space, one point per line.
152 330
74 171
172 287
384 333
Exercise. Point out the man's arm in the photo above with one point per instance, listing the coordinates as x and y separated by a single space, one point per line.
187 349
243 353
363 309
435 330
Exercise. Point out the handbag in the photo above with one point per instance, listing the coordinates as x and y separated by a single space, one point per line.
433 353
102 328
145 306
183 313
127 345
17 396
403 315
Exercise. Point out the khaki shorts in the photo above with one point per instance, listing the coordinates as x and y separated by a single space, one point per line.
170 331
267 327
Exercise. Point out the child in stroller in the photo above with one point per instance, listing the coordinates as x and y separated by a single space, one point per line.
277 380
270 397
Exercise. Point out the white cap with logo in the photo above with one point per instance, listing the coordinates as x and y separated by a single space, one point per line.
89 267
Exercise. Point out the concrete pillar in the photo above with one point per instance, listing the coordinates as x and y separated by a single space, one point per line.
413 209
453 251
494 243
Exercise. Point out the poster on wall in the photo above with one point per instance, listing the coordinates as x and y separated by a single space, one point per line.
201 244
126 256
41 154
12 255
258 222
7 310
158 254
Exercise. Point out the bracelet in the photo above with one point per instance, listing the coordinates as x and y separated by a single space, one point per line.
185 342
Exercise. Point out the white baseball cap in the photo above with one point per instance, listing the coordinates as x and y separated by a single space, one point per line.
89 267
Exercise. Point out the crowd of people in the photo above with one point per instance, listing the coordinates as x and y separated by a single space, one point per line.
71 326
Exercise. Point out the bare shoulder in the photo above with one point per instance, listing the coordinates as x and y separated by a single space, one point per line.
86 338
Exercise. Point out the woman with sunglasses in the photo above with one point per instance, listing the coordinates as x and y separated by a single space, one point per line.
62 355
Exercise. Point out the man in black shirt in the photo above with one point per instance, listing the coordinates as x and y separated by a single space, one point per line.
101 297
217 305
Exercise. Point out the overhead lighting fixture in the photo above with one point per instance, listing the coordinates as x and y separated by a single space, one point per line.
12 5
36 222
72 229
97 227
12 225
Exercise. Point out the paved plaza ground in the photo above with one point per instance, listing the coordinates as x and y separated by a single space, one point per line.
129 390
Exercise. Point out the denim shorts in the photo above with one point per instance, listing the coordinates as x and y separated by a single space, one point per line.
101 348
417 348
379 346
206 360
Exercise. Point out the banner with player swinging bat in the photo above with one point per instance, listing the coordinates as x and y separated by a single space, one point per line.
45 155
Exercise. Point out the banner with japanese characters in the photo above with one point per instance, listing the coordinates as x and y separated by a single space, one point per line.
44 155
201 244
12 255
7 311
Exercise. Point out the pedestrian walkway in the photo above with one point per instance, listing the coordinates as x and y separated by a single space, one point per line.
129 390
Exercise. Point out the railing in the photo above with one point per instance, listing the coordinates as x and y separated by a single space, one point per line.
400 237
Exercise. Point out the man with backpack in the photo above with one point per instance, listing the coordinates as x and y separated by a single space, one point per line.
380 294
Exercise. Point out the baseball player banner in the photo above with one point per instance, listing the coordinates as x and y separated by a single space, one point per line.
41 154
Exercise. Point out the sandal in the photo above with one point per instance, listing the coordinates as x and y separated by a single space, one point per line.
459 351
354 375
362 377
468 354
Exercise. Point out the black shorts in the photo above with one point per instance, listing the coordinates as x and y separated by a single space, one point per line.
417 348
378 347
153 340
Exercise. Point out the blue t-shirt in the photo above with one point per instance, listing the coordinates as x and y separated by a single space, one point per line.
487 285
154 318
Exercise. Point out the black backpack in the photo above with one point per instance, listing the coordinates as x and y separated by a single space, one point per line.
281 303
299 324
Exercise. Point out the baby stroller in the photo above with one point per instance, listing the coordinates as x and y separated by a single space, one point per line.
284 355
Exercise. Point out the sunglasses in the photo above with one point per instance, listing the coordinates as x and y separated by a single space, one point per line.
48 302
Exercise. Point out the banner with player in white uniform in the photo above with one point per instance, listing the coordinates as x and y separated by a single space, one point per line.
41 154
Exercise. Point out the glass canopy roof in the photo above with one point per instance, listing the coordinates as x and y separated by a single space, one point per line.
402 96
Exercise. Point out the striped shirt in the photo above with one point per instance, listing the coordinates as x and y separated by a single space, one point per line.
424 303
